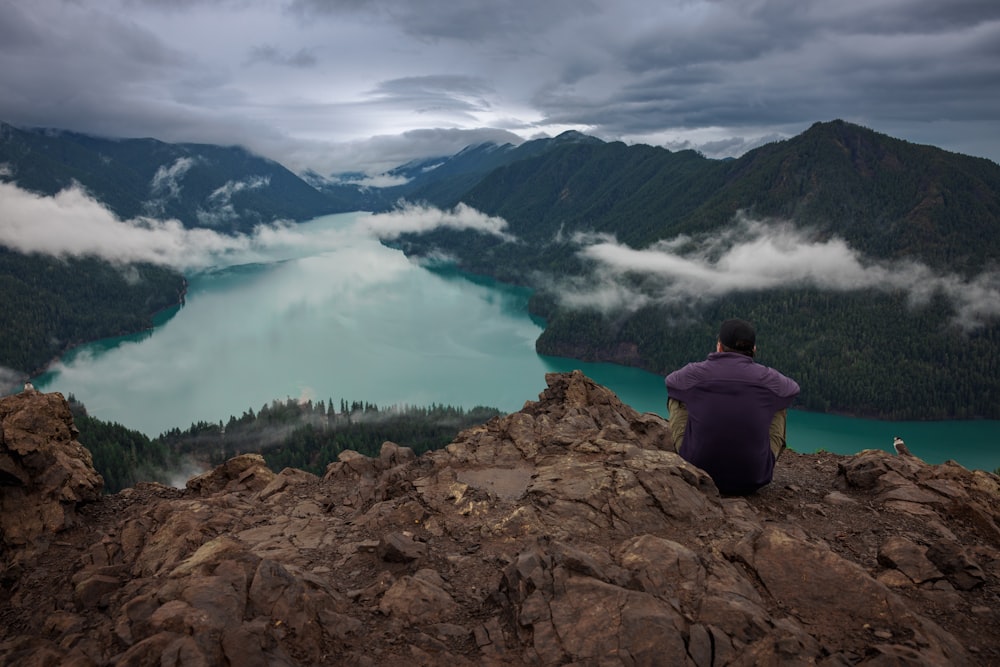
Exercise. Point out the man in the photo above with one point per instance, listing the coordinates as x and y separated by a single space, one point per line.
727 413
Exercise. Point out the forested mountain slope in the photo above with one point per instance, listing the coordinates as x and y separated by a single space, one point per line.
886 197
909 329
49 305
226 188
905 347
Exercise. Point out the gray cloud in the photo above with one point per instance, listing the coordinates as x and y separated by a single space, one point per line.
450 19
424 93
266 53
346 85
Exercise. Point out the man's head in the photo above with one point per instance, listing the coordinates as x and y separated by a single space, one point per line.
738 336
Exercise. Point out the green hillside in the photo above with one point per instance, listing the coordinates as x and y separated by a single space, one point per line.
49 305
873 352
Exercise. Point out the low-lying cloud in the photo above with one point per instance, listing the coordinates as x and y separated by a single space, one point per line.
755 255
749 255
73 224
219 209
414 218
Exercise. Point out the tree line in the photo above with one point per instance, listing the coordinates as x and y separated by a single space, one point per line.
866 353
50 304
289 434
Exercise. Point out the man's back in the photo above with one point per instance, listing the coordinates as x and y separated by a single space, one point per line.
731 401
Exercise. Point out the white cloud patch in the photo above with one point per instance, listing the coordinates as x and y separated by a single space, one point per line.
757 255
224 194
72 223
10 380
166 185
219 207
6 171
413 218
379 181
166 180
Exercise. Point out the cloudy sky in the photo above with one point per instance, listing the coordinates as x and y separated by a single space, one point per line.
366 84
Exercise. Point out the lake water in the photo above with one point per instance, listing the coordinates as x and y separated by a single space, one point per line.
326 311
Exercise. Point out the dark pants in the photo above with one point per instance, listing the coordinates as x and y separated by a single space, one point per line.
679 418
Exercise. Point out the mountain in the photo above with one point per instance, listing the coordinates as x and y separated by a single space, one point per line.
52 304
923 349
560 534
225 188
867 351
886 197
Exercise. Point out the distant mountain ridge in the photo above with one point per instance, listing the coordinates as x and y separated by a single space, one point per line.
225 188
865 351
886 197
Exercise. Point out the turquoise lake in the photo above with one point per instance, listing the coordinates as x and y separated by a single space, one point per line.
331 313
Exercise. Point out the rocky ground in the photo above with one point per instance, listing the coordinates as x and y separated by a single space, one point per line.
561 534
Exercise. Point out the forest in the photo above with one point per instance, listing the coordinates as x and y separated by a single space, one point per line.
871 352
864 353
289 434
50 304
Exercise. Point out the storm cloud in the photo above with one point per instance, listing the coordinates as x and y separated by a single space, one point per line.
363 86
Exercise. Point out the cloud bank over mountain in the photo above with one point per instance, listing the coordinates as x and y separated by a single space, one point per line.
72 223
753 255
414 218
748 255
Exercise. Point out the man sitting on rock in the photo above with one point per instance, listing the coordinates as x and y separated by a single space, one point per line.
727 413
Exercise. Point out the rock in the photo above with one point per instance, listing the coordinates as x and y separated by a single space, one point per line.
247 471
399 547
956 564
909 558
838 498
45 474
420 599
565 533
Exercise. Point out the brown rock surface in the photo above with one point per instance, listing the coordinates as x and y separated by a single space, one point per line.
561 534
45 474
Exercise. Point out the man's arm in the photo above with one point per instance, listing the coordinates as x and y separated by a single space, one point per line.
677 422
777 433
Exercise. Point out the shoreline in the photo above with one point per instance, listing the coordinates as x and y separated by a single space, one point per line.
181 297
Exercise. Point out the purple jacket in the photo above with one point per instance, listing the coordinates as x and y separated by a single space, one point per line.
731 400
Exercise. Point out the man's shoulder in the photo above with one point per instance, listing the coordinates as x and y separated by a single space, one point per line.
780 384
688 374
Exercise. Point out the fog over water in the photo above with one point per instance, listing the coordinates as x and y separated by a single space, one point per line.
328 312
360 322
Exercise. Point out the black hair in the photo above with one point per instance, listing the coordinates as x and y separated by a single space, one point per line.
748 353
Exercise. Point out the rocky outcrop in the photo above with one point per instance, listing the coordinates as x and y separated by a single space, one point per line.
561 534
45 474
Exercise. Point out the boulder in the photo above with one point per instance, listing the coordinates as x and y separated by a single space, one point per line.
45 474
